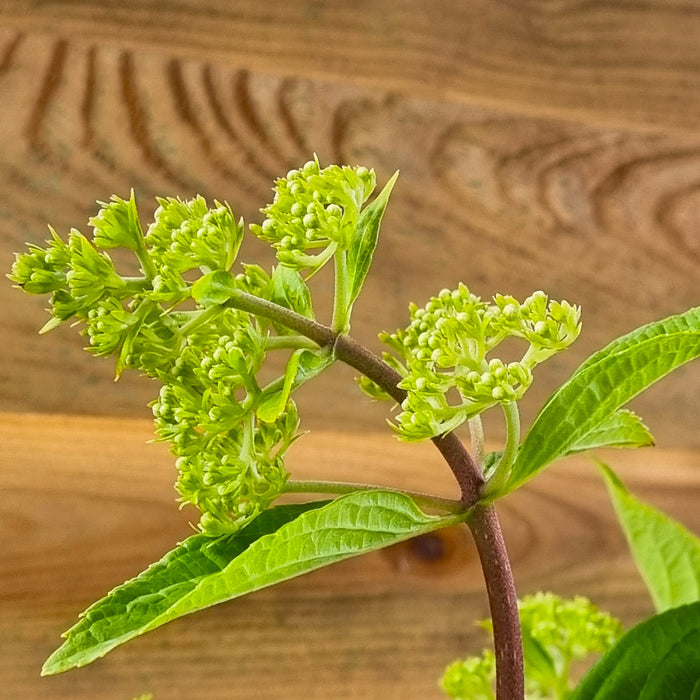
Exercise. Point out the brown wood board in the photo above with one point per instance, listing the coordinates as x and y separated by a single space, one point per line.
599 210
87 504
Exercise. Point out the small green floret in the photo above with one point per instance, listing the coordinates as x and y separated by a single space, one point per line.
556 632
471 679
315 209
117 224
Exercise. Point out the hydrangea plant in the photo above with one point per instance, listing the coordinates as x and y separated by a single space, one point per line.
204 325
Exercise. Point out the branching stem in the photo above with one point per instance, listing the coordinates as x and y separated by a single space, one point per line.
342 487
483 522
503 602
341 303
502 468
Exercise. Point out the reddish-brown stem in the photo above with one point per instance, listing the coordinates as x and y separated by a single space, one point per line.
460 461
483 521
503 602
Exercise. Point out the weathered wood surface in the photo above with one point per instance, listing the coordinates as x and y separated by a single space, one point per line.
87 504
542 145
618 61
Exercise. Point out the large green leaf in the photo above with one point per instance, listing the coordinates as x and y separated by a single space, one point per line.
281 543
659 658
601 385
365 242
137 605
667 554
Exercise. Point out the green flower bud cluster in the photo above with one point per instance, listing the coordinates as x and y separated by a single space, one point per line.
442 355
549 326
556 631
91 275
42 270
141 335
117 224
230 463
186 235
568 628
236 477
313 209
471 678
107 325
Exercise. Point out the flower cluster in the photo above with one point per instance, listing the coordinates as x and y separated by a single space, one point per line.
556 631
314 209
186 235
548 326
443 356
117 224
230 461
43 270
567 628
472 678
235 475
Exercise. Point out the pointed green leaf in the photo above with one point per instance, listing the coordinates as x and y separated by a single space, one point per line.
312 363
144 602
281 543
288 289
601 385
621 429
659 658
302 365
365 241
273 404
667 554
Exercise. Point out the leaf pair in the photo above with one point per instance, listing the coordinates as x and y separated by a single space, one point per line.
585 411
661 656
281 543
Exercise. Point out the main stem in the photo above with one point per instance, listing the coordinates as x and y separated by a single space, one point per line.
484 523
503 602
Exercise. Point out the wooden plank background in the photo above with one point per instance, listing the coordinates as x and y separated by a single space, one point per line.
87 504
542 144
547 145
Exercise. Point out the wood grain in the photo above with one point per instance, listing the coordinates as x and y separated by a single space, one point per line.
87 504
503 200
626 62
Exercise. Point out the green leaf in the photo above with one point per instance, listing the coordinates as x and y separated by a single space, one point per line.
281 543
667 554
144 602
288 289
621 429
365 241
312 363
214 288
272 405
601 385
659 658
302 365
